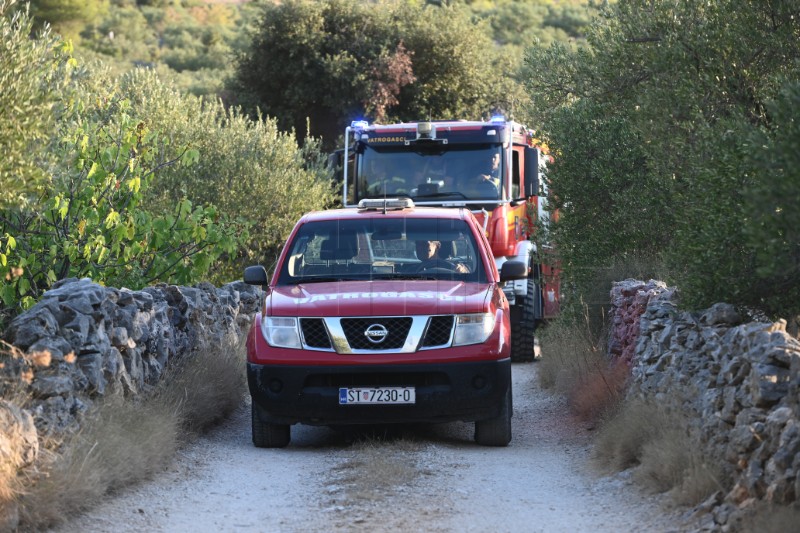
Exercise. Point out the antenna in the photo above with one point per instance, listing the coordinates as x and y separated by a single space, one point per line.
384 196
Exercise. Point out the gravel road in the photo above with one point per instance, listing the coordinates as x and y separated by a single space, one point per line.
421 478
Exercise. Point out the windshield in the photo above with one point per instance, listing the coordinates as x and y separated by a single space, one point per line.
435 172
387 248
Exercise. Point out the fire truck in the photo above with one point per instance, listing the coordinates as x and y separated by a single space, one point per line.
493 168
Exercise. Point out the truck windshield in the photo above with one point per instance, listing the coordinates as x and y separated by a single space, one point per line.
383 248
431 173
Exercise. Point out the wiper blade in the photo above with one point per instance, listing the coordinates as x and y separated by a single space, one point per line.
319 279
441 195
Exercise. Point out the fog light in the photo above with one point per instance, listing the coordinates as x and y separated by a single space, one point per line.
275 385
479 382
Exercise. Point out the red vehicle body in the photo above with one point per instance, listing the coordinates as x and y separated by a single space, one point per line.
436 164
356 327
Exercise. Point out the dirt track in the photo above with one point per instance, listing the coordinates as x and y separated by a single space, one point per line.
426 478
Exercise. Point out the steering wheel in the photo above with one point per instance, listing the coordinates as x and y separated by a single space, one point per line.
436 265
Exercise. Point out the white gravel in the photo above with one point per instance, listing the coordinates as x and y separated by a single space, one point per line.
426 478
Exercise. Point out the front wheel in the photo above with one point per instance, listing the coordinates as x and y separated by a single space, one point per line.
496 431
267 435
523 324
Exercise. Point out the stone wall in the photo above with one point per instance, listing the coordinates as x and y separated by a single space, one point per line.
82 341
737 381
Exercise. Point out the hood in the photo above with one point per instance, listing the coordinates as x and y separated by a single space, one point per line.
379 298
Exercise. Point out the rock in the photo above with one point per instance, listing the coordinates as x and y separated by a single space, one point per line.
721 314
32 326
768 384
19 441
47 386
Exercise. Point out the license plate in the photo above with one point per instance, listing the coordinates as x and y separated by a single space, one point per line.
377 395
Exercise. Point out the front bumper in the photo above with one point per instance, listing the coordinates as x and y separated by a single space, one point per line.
288 394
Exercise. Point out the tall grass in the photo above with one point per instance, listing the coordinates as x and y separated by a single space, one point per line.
574 363
663 448
633 433
124 441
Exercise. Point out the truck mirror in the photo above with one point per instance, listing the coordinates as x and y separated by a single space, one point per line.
513 270
531 171
335 159
256 275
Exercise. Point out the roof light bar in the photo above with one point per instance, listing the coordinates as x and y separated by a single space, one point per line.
359 124
373 204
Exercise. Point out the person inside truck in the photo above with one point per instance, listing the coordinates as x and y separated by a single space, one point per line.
485 184
428 252
383 179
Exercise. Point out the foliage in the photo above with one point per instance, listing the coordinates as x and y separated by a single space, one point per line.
333 60
67 16
772 197
524 22
32 74
90 222
188 43
245 167
677 93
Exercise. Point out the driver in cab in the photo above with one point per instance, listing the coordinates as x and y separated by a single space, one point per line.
428 254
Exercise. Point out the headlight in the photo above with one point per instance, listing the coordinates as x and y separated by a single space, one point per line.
281 331
473 329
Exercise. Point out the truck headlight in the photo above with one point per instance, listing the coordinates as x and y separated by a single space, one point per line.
473 329
281 331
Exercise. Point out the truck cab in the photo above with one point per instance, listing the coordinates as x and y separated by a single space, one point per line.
492 168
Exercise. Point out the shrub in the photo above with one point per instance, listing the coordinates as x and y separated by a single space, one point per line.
245 167
33 72
91 221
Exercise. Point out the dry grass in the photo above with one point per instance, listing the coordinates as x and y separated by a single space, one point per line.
123 441
206 387
766 518
660 445
574 364
378 468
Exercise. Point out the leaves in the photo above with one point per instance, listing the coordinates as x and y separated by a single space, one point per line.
88 224
656 128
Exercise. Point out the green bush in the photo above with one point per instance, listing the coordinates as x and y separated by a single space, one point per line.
33 73
335 60
673 139
247 168
90 221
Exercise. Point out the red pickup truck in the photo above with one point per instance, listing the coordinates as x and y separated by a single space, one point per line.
384 313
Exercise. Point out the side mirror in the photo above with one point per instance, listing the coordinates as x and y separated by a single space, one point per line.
531 171
513 270
256 275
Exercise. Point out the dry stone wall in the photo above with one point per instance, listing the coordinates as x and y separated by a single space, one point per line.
83 341
737 381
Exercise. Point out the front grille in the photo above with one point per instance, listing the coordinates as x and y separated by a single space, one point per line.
314 333
439 331
397 330
376 379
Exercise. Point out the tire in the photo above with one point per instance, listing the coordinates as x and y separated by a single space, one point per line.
523 325
269 435
496 431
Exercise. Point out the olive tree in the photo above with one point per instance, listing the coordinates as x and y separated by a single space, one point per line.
246 167
33 72
690 86
334 60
